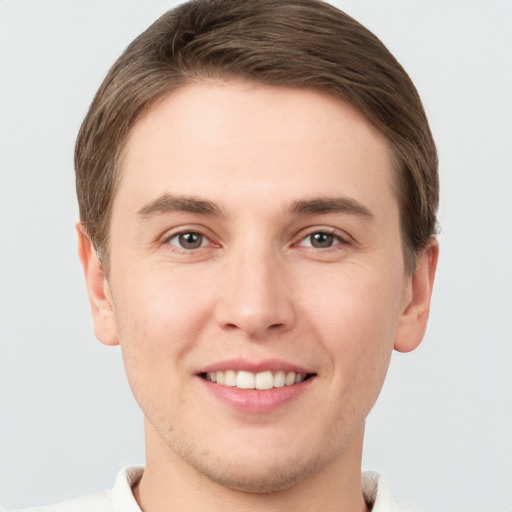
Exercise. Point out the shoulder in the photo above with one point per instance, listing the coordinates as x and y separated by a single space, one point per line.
117 499
100 502
378 497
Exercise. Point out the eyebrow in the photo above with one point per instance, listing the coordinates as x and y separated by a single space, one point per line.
325 205
168 203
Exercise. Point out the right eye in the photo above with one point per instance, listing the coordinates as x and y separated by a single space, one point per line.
189 240
320 240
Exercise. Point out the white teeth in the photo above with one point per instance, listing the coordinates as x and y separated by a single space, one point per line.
230 378
248 380
290 379
245 380
264 380
279 379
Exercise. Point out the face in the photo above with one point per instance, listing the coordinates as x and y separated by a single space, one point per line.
257 282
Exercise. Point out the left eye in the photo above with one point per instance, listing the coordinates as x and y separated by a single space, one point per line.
320 240
190 240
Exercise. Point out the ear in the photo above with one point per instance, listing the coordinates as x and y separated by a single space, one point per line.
413 321
98 290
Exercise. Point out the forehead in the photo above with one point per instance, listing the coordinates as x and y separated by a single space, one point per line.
230 139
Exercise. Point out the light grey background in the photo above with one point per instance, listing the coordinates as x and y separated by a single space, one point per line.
441 432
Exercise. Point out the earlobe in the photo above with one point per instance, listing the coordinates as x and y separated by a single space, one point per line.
413 321
98 290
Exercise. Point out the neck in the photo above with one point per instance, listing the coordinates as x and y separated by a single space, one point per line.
168 479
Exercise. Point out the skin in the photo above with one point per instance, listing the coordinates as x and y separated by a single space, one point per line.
258 287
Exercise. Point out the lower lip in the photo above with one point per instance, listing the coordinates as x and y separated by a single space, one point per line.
254 401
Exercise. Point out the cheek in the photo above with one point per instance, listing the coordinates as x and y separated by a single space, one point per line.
357 316
160 309
356 305
159 320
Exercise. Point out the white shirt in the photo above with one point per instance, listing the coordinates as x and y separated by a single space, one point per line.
120 497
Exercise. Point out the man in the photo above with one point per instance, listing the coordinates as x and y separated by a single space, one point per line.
258 187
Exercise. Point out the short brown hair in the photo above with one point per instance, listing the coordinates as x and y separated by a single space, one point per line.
286 43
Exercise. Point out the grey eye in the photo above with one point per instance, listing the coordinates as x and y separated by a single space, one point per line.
321 240
188 240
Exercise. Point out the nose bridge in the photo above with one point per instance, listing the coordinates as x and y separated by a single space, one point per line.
256 298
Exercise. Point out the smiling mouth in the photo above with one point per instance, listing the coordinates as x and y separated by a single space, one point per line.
260 381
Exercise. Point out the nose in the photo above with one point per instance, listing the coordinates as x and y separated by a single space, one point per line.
256 296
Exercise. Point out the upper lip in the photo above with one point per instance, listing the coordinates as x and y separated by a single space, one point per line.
254 366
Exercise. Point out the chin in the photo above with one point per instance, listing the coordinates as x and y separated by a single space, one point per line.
262 467
274 478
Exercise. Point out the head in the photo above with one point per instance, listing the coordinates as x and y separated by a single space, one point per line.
260 183
304 44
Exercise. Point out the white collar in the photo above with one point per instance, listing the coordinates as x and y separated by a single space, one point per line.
375 490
